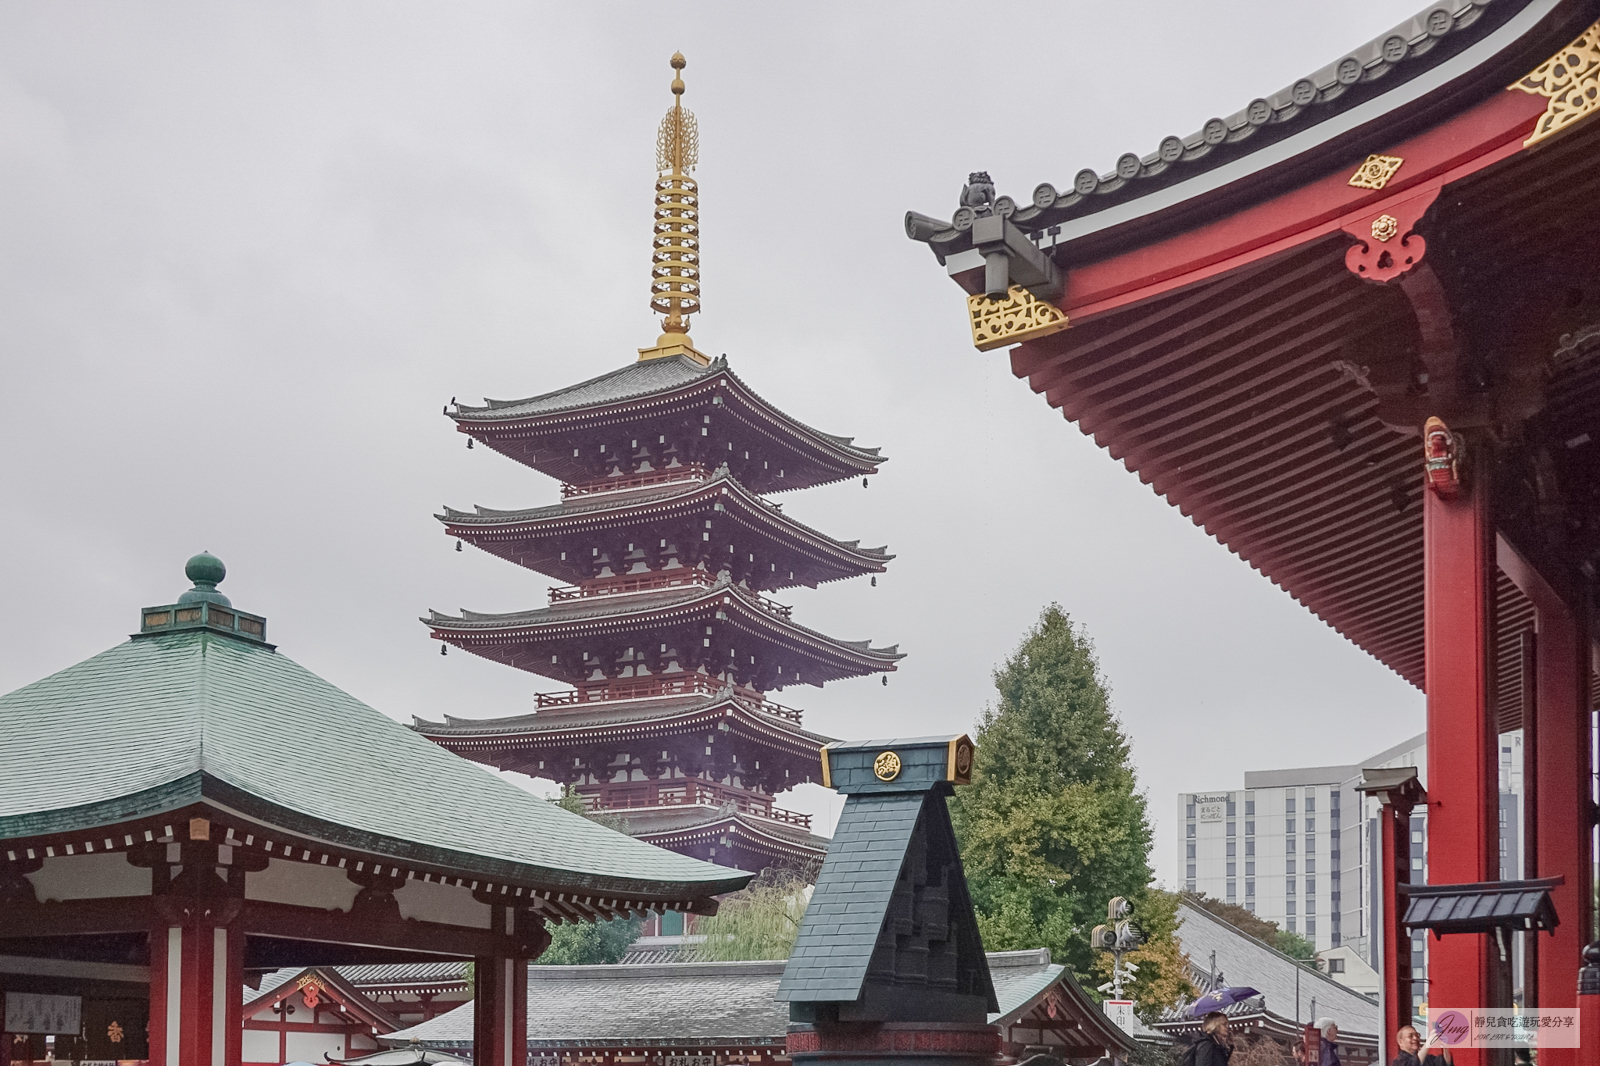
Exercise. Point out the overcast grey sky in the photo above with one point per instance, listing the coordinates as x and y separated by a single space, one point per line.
248 251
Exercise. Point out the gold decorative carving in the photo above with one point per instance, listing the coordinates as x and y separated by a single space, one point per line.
1570 79
675 256
886 766
1384 227
1021 316
1376 171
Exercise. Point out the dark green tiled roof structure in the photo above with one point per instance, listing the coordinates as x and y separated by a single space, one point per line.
890 935
196 710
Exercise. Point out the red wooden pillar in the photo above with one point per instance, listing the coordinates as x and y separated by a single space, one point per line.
1463 786
1400 792
1529 667
500 994
196 973
1560 785
1563 822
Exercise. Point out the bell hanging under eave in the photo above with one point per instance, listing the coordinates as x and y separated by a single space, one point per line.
444 649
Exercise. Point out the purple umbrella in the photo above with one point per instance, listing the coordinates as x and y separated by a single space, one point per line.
1221 999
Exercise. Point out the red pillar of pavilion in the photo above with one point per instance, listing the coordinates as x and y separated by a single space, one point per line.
196 961
1463 820
500 992
1560 787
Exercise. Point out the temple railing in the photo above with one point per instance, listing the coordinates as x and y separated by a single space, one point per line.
692 793
687 684
679 577
686 472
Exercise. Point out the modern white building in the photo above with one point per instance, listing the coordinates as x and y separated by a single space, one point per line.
1296 846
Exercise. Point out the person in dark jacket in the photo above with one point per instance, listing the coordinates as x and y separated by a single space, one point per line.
1410 1042
1328 1055
1212 1047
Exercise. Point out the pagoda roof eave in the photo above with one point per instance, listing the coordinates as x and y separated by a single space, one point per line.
602 716
620 613
696 496
1404 80
599 399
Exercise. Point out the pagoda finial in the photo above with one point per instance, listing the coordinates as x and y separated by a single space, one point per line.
675 258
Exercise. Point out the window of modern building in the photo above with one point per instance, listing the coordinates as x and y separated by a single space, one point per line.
1191 870
1249 888
1249 847
1311 864
1249 829
1289 886
1288 805
1291 925
1336 966
1249 869
1288 825
1231 847
1189 887
1311 803
1311 927
1311 842
1289 907
1191 829
1188 811
1190 846
1249 808
1333 801
1233 808
1311 906
1311 886
1288 845
1311 823
1231 892
1416 836
1416 864
1288 866
1232 828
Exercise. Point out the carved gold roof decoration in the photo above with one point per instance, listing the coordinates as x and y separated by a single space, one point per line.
675 257
1571 81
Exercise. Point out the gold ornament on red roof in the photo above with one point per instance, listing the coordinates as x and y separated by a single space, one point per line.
1021 316
1376 171
1571 81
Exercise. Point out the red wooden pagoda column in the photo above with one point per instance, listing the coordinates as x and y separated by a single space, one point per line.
1561 783
1463 788
196 974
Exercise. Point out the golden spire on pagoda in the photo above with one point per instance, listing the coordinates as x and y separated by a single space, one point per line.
675 258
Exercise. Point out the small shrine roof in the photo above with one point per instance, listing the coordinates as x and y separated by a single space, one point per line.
602 714
625 383
1281 980
678 1003
170 719
1371 96
652 823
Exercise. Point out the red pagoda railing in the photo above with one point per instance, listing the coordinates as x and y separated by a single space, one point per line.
616 586
688 472
657 687
689 793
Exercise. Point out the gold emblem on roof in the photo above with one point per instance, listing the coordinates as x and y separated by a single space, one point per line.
1021 316
1571 81
886 766
1376 171
675 257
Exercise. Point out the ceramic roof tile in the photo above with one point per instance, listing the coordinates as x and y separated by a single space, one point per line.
199 714
635 379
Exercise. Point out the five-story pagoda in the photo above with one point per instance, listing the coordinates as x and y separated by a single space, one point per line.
667 546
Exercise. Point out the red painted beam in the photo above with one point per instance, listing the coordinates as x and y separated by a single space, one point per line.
1485 134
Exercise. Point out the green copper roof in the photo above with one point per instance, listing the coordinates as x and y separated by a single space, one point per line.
170 718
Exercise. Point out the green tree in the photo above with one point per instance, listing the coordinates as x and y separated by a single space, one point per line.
589 943
1053 824
1241 919
760 921
1296 947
